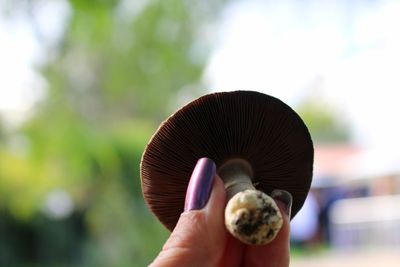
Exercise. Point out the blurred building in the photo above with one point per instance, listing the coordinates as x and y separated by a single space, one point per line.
357 191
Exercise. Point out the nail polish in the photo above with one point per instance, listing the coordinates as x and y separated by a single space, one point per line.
200 184
285 197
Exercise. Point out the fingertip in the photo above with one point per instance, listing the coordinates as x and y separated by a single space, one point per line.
199 234
217 200
282 240
285 199
275 253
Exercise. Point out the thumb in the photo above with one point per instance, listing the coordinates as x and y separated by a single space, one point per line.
199 236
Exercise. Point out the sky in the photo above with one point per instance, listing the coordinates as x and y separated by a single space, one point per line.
21 51
18 80
344 53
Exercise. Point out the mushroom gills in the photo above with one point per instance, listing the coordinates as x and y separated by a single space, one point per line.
250 215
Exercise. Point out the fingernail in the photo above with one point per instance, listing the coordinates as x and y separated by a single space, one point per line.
200 184
285 197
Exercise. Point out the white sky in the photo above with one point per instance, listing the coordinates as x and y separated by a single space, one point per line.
350 49
21 49
17 78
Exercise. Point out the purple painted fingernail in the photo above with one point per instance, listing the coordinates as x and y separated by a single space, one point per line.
200 184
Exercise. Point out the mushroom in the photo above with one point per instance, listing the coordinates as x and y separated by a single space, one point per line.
258 144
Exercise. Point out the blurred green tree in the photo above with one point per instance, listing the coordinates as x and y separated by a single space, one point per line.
114 75
323 121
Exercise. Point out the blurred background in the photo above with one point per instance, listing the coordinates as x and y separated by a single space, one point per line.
84 84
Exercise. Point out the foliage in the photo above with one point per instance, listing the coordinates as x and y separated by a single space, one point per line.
113 76
323 122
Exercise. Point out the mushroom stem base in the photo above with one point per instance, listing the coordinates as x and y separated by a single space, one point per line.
253 217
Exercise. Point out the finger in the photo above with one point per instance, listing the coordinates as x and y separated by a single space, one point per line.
276 253
199 236
233 253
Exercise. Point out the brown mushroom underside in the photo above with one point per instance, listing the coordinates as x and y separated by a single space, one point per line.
249 125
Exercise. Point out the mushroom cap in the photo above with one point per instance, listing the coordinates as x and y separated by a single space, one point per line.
242 124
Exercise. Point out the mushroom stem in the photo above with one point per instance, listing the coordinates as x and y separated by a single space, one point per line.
236 174
250 215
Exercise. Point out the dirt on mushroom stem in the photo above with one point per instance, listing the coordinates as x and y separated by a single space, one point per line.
250 215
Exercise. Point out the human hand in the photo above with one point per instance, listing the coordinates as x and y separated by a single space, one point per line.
201 239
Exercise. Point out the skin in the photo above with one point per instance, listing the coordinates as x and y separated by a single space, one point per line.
200 239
